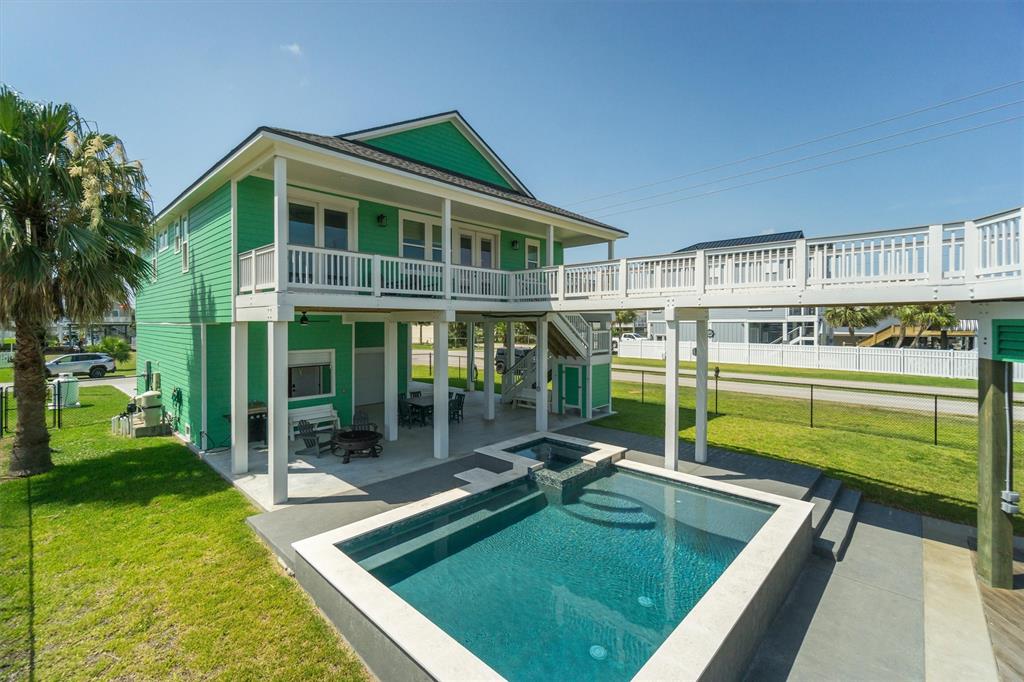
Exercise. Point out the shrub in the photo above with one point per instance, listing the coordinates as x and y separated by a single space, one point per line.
114 346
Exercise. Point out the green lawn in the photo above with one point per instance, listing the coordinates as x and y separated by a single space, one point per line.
887 454
132 560
123 368
812 374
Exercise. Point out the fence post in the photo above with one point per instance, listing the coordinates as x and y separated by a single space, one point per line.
60 404
936 412
812 406
430 365
642 377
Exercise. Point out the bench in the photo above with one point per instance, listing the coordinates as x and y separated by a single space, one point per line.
322 417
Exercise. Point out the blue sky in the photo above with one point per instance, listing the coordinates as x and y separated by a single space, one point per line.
580 99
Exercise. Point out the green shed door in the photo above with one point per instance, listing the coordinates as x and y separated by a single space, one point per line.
1008 340
571 386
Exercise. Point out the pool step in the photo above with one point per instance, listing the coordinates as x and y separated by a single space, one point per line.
836 526
611 511
823 497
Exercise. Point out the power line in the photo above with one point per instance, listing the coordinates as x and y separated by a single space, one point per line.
802 144
809 157
814 168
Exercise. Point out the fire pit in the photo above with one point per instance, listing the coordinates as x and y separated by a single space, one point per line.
360 443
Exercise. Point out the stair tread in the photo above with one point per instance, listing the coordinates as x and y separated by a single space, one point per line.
834 536
823 497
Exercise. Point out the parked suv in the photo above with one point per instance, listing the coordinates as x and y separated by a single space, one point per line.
94 364
499 358
628 336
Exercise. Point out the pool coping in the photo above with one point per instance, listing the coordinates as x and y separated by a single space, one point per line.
714 640
603 451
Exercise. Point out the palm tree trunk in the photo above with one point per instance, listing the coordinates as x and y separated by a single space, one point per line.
903 336
853 336
921 329
30 453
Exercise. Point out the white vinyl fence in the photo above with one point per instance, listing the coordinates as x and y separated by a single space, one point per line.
957 364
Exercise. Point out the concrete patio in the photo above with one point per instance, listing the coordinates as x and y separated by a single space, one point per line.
311 478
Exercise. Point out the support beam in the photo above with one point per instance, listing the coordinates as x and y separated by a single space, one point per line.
440 390
470 357
281 223
391 380
671 393
700 452
542 374
239 397
489 371
995 527
611 249
277 410
550 247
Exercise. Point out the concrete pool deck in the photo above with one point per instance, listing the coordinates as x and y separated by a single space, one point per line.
901 604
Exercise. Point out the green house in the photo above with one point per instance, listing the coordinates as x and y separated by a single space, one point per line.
286 278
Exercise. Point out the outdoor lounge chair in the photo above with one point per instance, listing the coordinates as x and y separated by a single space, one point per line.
314 439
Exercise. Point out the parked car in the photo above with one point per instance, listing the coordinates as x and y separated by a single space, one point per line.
628 336
95 365
499 358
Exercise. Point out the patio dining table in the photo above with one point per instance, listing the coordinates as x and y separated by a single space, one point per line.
423 406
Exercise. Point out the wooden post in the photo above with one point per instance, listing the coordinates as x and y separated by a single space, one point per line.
277 410
995 527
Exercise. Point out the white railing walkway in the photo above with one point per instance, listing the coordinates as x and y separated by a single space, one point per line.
831 270
954 364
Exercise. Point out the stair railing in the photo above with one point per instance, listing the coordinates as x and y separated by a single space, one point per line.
516 375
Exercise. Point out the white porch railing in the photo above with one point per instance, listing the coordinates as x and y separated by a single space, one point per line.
979 252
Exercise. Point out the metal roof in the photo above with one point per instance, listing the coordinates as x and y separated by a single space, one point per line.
746 241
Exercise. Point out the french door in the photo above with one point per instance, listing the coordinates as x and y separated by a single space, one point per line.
472 247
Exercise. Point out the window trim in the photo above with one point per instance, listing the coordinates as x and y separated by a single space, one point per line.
295 360
526 254
319 203
459 229
183 243
428 238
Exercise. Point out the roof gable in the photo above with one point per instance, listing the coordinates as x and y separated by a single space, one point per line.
445 141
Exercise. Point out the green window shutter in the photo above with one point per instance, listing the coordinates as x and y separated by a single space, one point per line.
1008 338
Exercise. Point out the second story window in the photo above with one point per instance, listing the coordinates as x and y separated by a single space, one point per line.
335 229
183 244
414 239
301 224
322 222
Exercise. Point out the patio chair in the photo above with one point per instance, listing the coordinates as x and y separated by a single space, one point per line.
406 416
361 422
455 407
314 440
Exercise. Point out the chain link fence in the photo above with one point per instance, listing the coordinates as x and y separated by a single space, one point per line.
60 415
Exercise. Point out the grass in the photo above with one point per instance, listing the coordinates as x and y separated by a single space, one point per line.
812 374
886 454
126 368
131 560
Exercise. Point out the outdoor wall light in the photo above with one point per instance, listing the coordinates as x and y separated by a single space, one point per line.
304 320
382 220
515 244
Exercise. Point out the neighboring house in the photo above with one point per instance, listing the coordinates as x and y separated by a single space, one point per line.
419 221
118 321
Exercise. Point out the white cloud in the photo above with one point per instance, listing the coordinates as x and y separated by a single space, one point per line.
293 49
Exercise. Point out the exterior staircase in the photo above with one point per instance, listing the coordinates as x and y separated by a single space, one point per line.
570 335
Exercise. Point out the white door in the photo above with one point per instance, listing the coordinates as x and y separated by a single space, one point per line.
479 249
369 376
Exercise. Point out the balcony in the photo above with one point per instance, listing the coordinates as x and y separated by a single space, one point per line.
950 260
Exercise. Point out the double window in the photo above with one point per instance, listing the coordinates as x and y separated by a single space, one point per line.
329 224
421 237
310 374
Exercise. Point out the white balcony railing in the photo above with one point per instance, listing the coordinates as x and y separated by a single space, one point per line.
962 253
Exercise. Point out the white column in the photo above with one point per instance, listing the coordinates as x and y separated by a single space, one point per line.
556 389
390 380
441 390
489 371
611 249
446 248
281 222
239 397
550 250
277 410
671 392
470 357
542 374
700 453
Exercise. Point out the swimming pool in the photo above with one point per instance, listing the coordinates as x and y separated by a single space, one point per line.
511 588
557 454
639 573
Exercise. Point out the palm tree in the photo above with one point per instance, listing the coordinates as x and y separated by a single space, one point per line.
853 317
908 316
934 317
74 221
624 317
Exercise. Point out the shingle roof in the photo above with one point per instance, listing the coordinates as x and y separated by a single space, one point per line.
368 153
746 241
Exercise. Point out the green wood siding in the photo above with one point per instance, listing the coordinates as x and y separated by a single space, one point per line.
203 294
512 259
218 382
175 352
255 213
601 389
372 237
442 145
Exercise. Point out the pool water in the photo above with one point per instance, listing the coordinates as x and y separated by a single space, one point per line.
588 589
557 455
